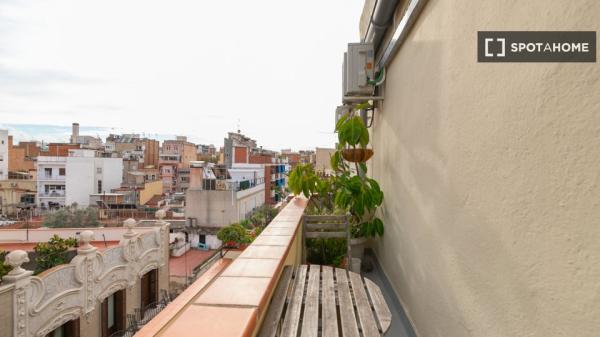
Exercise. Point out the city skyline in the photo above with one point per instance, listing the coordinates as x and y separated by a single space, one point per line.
60 62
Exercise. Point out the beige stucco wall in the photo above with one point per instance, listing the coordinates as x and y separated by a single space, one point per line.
89 325
151 189
323 160
6 310
216 209
491 175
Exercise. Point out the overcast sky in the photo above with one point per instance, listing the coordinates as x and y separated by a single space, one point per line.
193 67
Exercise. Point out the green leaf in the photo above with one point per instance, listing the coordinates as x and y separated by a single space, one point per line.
363 167
364 136
341 121
355 130
378 224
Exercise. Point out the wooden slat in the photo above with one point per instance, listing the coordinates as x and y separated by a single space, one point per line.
327 226
327 235
382 311
321 218
348 320
292 315
310 320
363 307
329 324
273 317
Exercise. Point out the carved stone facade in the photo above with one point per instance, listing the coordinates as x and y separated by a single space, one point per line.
45 302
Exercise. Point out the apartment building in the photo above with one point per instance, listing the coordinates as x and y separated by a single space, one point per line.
237 148
91 295
51 182
186 151
175 155
22 156
133 147
206 151
65 180
88 174
17 196
219 196
168 166
323 160
4 140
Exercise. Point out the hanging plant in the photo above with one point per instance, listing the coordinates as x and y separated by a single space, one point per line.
357 193
353 136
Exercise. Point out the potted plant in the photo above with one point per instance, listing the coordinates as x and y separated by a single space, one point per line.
349 190
356 192
233 236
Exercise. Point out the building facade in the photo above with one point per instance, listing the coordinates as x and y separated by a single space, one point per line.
91 295
65 180
88 174
4 154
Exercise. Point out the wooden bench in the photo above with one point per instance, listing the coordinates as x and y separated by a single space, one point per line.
348 305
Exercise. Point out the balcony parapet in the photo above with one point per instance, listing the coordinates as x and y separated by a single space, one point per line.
66 292
232 300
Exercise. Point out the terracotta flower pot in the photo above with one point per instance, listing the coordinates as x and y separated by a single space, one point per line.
357 155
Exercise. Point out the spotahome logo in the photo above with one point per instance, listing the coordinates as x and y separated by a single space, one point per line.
536 46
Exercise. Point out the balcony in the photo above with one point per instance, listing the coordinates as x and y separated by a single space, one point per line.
51 178
227 185
233 298
53 194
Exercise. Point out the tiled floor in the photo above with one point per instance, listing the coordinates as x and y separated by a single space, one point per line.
400 326
188 261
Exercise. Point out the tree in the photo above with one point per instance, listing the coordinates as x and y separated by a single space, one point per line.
234 233
52 253
72 217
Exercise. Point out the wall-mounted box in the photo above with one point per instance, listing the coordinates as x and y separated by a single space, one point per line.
358 69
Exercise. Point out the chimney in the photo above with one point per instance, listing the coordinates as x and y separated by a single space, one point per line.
75 133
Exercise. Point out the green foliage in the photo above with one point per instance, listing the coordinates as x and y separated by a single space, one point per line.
352 131
263 215
356 192
320 190
326 251
52 253
72 217
349 190
234 233
4 268
246 223
303 179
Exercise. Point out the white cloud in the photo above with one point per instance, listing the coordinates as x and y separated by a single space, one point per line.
178 67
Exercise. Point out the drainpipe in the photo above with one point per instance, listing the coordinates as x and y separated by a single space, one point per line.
381 19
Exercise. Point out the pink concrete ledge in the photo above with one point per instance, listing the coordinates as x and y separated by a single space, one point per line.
231 297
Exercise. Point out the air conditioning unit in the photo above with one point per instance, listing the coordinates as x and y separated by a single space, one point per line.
358 69
340 111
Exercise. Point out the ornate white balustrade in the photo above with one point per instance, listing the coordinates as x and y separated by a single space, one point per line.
44 302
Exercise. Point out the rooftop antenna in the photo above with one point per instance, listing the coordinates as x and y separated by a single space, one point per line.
238 126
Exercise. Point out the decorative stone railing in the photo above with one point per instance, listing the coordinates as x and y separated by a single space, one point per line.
44 302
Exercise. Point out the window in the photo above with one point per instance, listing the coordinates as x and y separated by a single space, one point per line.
69 329
99 186
48 172
149 287
62 171
113 313
99 170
